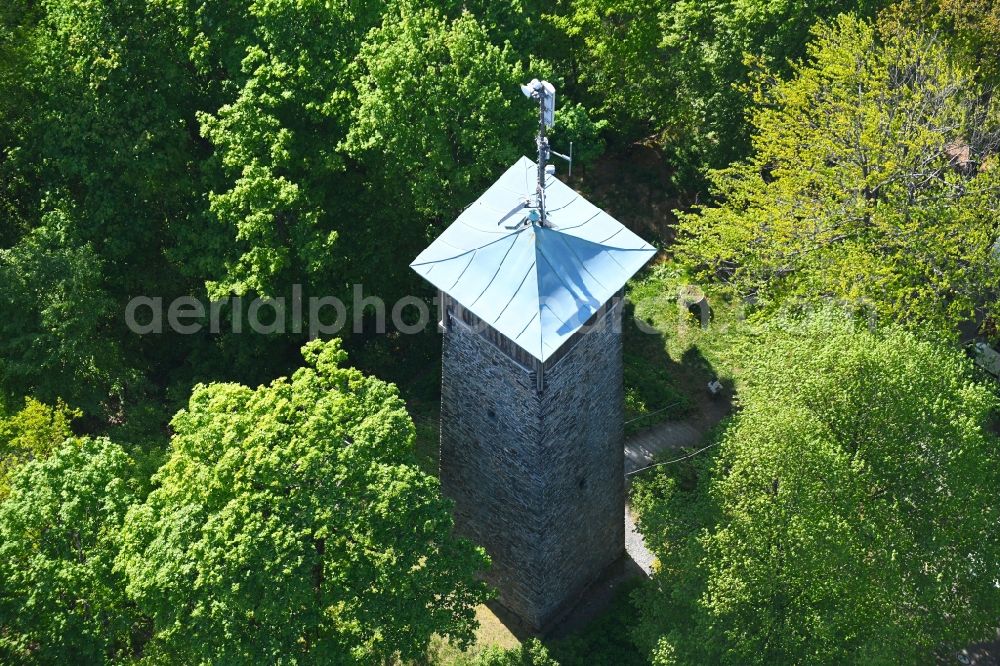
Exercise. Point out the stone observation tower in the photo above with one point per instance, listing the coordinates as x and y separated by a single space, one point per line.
531 277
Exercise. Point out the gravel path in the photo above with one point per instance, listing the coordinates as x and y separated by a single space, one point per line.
642 448
635 546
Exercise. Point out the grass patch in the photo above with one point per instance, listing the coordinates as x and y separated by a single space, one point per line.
651 394
674 345
491 633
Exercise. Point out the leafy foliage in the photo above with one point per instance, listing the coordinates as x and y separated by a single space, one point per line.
61 599
289 522
32 433
529 653
606 640
108 129
100 176
437 109
874 182
675 72
848 516
976 24
185 147
575 126
276 141
53 340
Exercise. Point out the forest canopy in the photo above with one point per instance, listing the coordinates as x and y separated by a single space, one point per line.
854 525
229 496
874 180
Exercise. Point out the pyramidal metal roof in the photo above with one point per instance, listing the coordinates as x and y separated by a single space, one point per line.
536 285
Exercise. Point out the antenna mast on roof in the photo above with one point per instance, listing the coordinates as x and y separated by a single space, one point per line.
545 93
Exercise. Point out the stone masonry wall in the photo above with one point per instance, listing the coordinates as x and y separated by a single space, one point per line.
537 478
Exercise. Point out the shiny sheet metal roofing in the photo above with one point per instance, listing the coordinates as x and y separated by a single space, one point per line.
535 285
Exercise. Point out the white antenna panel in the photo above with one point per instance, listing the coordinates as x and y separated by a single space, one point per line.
549 111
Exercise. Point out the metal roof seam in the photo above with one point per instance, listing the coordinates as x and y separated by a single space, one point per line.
617 231
584 223
573 200
456 256
537 315
496 272
516 291
471 259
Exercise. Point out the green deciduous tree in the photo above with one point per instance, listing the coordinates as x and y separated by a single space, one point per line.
32 433
111 127
290 524
287 196
438 115
849 514
874 180
102 189
18 20
977 25
54 337
675 72
61 600
439 110
574 124
619 62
